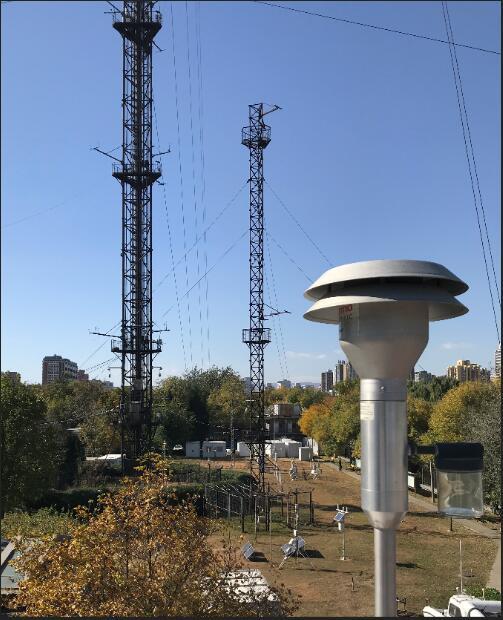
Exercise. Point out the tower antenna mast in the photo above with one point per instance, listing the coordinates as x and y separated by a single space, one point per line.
137 23
256 137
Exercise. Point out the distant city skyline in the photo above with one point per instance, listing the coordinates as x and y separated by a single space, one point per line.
366 161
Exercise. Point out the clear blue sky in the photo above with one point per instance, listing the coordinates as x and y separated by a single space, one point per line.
367 153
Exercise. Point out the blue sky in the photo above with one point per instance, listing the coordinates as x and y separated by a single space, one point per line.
367 153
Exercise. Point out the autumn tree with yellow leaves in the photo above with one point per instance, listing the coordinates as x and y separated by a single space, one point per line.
139 554
472 412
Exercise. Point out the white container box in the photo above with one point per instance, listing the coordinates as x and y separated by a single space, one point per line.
292 449
193 449
243 449
276 447
305 453
214 449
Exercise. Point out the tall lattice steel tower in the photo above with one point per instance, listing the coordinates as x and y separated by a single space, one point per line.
256 137
138 23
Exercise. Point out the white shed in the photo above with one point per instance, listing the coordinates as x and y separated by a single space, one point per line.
214 449
305 453
193 449
275 447
243 449
292 449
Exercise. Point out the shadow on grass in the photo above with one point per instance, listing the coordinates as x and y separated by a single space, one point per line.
407 565
333 507
313 553
258 556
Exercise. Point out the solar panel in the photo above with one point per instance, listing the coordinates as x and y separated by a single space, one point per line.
288 550
248 551
339 517
297 542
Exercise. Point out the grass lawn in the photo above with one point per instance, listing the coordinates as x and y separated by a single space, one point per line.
427 553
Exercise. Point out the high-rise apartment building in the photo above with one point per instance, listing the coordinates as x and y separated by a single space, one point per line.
283 384
464 370
423 375
497 361
57 368
339 371
349 373
343 371
327 381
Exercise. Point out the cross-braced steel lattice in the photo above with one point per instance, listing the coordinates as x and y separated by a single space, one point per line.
256 137
138 23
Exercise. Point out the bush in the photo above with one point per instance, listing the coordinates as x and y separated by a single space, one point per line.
44 522
490 594
240 477
185 493
65 501
98 474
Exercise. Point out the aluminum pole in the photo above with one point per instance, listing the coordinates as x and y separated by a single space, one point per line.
385 572
383 418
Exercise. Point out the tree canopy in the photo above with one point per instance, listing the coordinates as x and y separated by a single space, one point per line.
141 554
472 412
30 449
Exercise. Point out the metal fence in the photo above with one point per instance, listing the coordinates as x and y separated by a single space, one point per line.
254 511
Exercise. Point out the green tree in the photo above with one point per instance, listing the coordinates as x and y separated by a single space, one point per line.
335 421
69 403
175 423
432 390
100 432
345 421
228 401
418 417
191 393
29 447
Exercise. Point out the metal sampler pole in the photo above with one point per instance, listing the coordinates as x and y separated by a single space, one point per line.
383 309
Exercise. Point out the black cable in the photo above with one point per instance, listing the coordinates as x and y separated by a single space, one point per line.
231 201
100 347
458 96
289 257
98 366
273 279
349 21
274 331
42 211
231 247
171 249
299 225
203 176
181 176
194 193
473 154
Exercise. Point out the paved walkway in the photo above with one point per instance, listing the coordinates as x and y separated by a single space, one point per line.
494 580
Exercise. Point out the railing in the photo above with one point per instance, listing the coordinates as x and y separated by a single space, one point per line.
118 346
132 169
250 138
122 16
257 335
